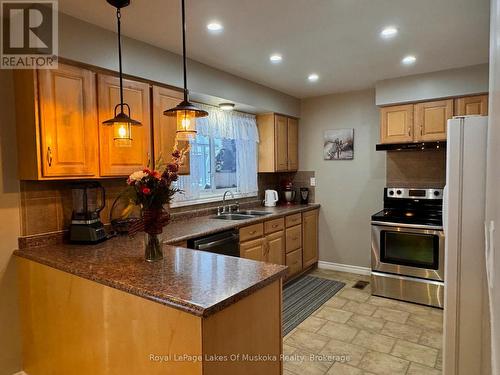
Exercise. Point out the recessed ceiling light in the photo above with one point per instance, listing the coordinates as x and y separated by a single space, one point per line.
389 32
409 60
226 106
313 77
275 58
215 26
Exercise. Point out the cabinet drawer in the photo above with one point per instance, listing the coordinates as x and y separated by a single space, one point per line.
292 220
274 225
294 262
252 231
253 249
293 238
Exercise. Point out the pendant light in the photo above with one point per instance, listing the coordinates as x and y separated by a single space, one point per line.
185 112
122 123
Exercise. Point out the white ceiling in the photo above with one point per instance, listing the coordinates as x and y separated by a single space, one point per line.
338 39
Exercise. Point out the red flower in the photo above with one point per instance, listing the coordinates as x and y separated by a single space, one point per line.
156 174
147 170
146 191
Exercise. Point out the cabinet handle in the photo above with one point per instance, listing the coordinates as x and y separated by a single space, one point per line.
421 130
275 225
253 232
295 238
409 132
49 156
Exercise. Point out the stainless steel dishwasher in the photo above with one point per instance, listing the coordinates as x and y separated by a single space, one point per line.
225 243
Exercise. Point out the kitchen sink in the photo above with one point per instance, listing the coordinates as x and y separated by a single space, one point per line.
254 213
233 216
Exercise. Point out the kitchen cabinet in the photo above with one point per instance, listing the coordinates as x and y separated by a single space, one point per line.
396 124
275 252
431 120
310 238
254 249
264 241
293 238
293 144
165 127
116 158
472 105
274 225
294 262
278 143
57 128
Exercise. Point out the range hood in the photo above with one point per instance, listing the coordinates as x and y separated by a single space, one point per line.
419 146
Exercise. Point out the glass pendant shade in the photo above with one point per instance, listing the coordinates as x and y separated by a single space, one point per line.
122 123
185 112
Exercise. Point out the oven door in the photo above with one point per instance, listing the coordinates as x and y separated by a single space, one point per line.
408 250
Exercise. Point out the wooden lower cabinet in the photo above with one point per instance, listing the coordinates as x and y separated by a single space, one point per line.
310 238
294 262
275 244
254 249
71 325
293 238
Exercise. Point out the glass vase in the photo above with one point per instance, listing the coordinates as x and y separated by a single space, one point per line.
152 248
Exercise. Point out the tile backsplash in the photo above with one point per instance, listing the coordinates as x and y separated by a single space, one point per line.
421 169
46 206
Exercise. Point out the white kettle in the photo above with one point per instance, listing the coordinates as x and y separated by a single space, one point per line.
271 197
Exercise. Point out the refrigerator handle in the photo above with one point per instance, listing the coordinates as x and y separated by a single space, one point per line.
445 209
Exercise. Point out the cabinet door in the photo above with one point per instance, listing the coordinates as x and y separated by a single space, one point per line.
165 127
310 237
117 159
275 244
294 262
396 124
431 120
293 144
293 238
472 105
254 249
281 142
68 122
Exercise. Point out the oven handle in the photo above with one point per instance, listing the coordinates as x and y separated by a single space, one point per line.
401 225
222 241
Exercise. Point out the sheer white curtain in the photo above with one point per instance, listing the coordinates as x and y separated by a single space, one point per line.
240 127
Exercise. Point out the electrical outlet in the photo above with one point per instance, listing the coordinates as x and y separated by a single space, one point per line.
313 181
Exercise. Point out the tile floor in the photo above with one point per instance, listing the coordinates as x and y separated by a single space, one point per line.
355 333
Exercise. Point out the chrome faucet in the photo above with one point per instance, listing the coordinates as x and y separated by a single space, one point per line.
228 208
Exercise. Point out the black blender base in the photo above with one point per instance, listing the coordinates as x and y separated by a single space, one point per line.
87 233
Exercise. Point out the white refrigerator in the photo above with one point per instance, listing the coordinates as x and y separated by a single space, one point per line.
466 304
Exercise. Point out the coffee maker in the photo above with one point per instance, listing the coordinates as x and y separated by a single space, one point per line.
88 201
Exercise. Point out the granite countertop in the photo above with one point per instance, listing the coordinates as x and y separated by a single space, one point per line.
183 230
196 282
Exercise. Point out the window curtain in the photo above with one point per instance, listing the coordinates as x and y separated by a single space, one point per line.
235 125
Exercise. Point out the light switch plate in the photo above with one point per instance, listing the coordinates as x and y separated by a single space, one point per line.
313 181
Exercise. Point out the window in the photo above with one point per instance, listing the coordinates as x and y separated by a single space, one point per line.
223 157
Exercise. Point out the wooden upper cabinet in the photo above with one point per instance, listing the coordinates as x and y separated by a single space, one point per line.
472 105
278 143
57 123
293 144
281 142
165 127
396 124
431 120
310 237
117 159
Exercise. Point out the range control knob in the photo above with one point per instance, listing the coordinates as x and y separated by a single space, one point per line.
391 193
398 192
437 193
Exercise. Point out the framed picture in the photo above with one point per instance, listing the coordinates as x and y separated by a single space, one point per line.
338 144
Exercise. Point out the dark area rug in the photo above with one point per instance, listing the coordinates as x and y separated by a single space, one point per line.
304 296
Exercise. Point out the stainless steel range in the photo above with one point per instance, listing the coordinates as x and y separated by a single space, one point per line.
408 246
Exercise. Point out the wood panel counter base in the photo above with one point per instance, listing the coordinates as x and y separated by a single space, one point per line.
72 325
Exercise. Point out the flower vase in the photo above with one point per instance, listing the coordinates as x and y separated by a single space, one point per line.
152 247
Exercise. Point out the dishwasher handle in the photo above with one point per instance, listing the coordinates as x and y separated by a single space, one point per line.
222 241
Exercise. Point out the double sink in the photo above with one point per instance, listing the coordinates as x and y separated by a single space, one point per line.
241 215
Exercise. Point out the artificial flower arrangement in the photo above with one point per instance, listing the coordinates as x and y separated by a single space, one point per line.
152 190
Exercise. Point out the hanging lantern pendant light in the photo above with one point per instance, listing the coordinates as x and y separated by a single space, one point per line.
185 112
121 122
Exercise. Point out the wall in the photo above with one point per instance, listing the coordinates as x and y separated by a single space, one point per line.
442 84
10 358
349 191
87 43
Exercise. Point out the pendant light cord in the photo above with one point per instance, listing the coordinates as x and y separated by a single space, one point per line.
118 17
184 50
